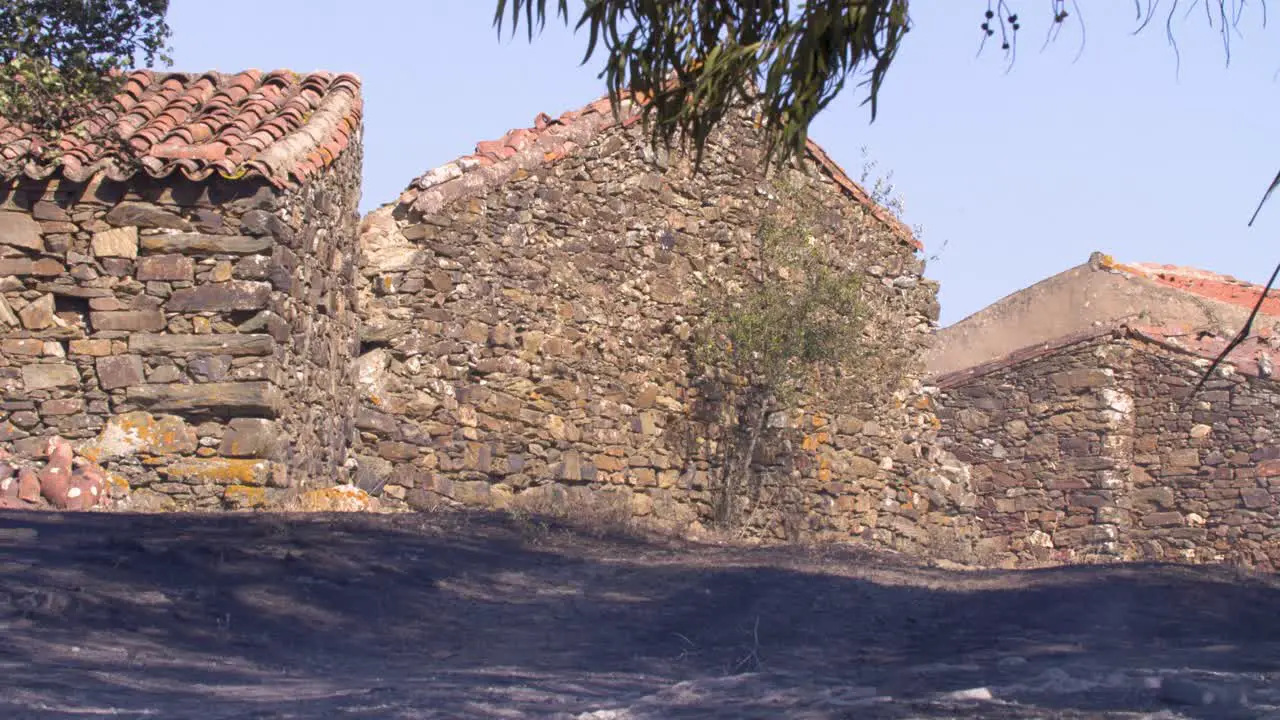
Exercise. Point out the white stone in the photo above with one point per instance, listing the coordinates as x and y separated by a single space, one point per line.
371 370
1038 538
117 242
979 693
7 316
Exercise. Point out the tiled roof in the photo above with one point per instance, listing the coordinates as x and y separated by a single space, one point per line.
550 139
1209 285
277 125
1257 355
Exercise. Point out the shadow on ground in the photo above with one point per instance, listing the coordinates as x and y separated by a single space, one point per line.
476 615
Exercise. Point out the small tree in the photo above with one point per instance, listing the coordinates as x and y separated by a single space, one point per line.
58 57
761 347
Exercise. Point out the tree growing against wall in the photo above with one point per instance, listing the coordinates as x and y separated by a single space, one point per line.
794 327
57 57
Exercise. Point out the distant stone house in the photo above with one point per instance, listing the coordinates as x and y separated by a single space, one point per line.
1090 446
527 317
177 285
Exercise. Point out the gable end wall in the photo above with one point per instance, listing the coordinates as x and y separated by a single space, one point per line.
1095 452
529 343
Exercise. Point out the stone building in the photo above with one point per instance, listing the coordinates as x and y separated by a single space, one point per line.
529 316
1096 293
177 285
1090 446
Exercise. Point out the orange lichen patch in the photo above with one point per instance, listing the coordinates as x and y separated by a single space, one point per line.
340 498
218 471
141 433
117 485
244 496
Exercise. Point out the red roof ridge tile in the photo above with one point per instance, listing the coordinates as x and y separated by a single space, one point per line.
551 139
1195 281
278 125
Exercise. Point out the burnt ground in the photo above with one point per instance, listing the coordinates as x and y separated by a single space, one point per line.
459 615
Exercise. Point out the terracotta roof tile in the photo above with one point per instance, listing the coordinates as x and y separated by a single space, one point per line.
552 139
1257 355
278 125
1209 285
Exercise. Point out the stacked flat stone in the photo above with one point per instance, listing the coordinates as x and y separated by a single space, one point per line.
200 332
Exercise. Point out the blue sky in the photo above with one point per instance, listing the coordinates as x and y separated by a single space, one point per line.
1014 176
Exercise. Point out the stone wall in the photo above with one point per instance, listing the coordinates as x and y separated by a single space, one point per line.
1046 438
1091 449
192 337
530 341
1206 470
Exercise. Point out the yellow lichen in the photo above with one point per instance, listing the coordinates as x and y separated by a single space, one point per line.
220 471
244 496
341 498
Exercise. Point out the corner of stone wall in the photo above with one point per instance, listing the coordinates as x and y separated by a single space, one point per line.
172 330
1049 441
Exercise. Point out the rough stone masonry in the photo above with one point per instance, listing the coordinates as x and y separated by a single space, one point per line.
528 318
179 300
1092 447
192 336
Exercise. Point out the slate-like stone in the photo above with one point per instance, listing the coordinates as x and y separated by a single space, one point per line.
166 268
199 243
249 438
440 281
232 399
119 371
7 316
44 267
260 222
71 290
141 432
42 376
221 297
218 471
1255 498
117 243
38 314
19 230
128 320
144 215
45 210
209 368
147 344
253 267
